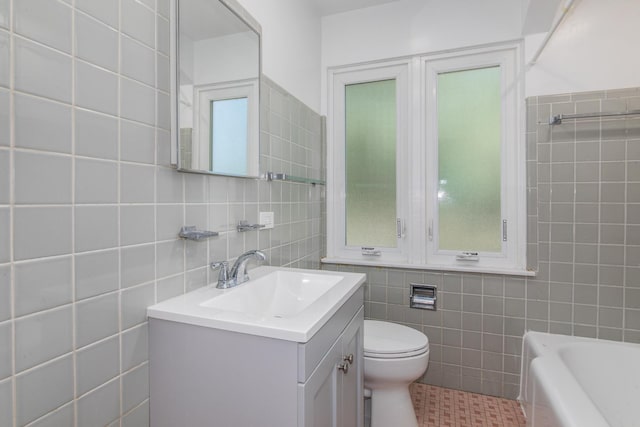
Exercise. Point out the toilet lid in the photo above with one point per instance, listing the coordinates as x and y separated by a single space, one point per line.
388 340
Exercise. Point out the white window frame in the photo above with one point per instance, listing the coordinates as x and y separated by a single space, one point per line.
203 95
417 160
513 161
336 180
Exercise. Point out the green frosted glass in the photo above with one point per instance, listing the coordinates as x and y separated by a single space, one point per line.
370 122
469 117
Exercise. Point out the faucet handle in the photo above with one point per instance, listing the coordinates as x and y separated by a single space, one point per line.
223 275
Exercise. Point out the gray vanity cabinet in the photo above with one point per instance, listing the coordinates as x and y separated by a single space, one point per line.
332 396
201 376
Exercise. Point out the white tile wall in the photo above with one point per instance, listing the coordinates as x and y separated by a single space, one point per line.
40 70
42 124
90 209
96 42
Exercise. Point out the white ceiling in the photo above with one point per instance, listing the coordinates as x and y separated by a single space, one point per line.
330 7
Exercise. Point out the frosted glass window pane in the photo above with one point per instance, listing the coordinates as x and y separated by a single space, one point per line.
229 136
469 117
371 164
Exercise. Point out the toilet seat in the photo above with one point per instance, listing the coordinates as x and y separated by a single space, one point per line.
384 340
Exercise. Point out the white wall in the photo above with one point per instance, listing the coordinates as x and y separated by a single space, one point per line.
209 69
408 27
595 48
290 45
416 26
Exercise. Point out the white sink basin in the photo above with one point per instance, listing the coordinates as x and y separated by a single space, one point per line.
282 303
279 294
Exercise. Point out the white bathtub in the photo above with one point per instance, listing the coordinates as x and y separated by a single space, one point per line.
579 382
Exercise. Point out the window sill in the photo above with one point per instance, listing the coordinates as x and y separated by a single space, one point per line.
489 270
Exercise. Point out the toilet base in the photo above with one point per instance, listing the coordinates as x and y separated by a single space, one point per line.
392 406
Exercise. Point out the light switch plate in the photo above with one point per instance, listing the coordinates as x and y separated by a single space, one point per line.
267 219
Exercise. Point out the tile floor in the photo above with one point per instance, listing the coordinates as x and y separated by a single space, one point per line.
442 407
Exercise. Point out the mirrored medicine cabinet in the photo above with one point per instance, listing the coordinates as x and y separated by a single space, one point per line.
215 82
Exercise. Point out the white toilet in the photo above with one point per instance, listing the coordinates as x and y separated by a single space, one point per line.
394 357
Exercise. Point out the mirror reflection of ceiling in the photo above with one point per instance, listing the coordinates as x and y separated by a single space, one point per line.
207 19
330 7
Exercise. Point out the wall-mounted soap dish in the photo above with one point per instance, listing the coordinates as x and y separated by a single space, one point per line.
244 225
191 233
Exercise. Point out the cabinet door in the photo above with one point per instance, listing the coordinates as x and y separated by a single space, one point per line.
351 404
321 394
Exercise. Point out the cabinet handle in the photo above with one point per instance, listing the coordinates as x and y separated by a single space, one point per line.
348 358
344 367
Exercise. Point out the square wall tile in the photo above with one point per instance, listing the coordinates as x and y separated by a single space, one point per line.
135 344
136 224
5 227
96 89
97 273
42 337
4 13
163 7
164 110
138 102
4 117
137 142
4 59
138 22
5 292
96 135
42 71
135 387
169 220
42 178
6 350
169 287
60 417
170 189
101 406
162 74
97 364
136 183
95 42
137 265
96 318
137 417
42 284
105 11
41 390
170 258
163 31
44 21
96 227
6 403
41 124
134 304
41 231
138 61
96 181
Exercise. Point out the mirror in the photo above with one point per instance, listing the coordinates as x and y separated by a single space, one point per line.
215 88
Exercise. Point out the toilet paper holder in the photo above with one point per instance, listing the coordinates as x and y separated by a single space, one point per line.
423 296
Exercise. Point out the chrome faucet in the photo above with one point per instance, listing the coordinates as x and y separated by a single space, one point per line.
228 278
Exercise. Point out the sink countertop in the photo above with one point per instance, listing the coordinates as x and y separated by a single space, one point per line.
191 308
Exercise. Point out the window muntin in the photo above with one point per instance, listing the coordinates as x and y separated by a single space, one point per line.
469 160
370 157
